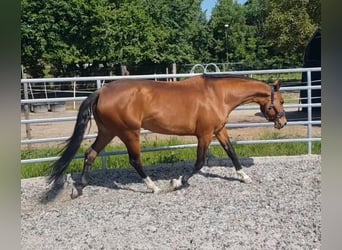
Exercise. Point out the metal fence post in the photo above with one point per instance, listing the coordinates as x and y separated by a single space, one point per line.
74 93
104 160
309 134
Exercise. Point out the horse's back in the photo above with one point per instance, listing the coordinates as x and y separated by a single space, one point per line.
145 91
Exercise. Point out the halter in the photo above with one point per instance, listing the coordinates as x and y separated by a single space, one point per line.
278 114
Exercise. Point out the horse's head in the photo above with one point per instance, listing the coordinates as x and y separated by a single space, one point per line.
273 109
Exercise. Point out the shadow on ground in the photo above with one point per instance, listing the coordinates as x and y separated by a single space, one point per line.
119 178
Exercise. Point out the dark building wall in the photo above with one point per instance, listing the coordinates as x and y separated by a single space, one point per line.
312 58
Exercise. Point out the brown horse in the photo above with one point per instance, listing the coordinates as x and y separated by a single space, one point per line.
197 106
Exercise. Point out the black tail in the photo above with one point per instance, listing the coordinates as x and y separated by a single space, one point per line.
74 142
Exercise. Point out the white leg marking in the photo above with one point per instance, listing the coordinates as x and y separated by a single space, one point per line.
176 183
150 185
244 177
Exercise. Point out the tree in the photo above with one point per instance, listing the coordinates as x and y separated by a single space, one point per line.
256 12
314 11
71 34
86 37
67 34
32 38
136 35
288 29
185 29
233 40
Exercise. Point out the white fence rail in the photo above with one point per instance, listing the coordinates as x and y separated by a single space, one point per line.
100 80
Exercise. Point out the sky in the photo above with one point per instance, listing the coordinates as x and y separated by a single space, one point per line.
209 4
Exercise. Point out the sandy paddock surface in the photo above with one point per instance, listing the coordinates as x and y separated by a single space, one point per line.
280 209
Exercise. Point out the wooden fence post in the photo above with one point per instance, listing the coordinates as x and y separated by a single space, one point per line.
26 109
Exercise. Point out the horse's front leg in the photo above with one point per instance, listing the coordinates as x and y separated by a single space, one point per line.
231 153
223 138
202 148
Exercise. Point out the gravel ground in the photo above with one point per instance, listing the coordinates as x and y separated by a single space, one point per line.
280 210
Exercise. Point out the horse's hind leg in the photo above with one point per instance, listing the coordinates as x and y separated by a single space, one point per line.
101 141
132 141
89 158
223 138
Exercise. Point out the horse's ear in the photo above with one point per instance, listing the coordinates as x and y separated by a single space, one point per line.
276 85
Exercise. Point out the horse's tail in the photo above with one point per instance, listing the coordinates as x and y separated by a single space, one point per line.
74 142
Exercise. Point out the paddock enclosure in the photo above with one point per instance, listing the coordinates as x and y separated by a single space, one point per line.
279 210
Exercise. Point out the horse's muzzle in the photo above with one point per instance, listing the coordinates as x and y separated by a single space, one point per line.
280 123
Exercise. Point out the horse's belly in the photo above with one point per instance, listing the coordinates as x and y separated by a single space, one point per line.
169 126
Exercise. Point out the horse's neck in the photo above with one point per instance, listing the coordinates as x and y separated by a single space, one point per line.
248 92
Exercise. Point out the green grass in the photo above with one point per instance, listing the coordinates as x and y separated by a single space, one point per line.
168 156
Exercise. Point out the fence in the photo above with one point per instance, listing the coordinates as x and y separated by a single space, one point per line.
309 123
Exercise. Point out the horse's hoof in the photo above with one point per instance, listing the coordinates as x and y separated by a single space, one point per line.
176 183
74 194
156 190
247 180
244 177
76 191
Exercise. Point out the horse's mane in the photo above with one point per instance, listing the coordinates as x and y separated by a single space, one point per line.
226 75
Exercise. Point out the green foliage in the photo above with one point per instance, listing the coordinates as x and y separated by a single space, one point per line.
231 36
289 28
67 32
67 35
314 10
